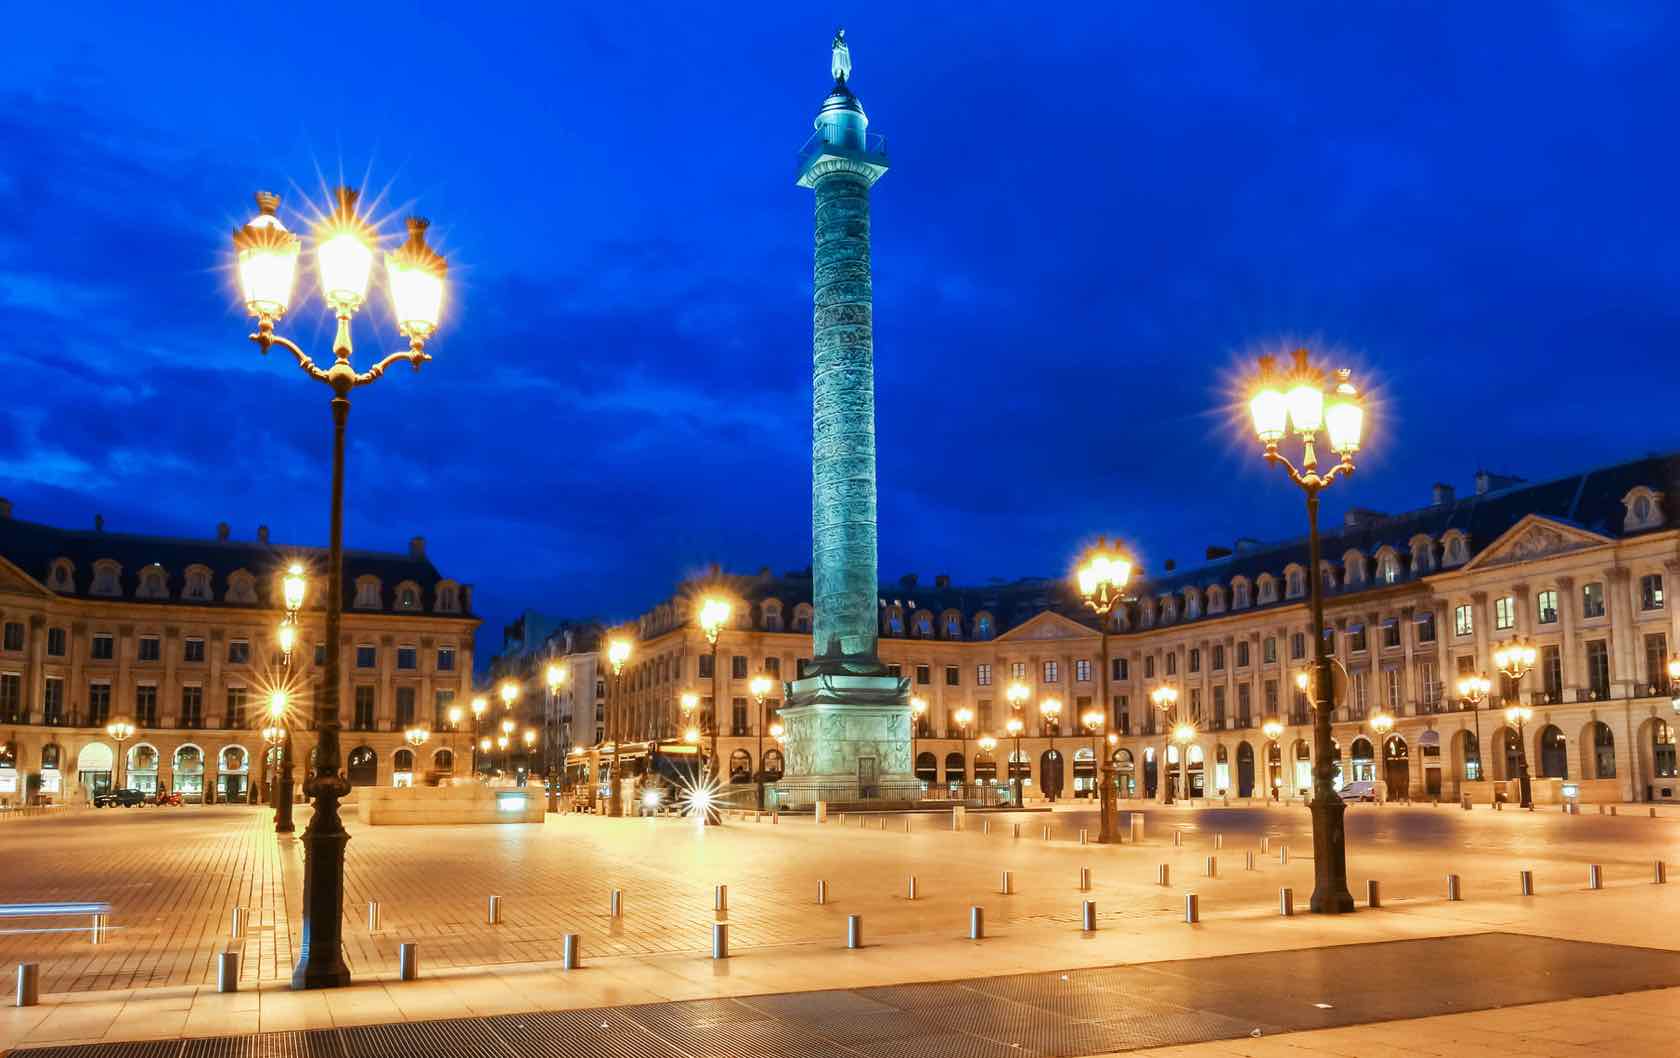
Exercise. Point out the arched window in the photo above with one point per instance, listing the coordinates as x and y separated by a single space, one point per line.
924 624
8 754
50 756
362 766
154 583
443 760
242 587
740 766
368 593
956 769
403 760
802 617
953 624
1240 597
1353 565
408 596
63 576
448 597
772 765
234 759
984 626
772 611
927 767
1554 753
895 621
1295 582
196 586
1216 599
1266 584
1604 750
107 578
1192 604
1423 555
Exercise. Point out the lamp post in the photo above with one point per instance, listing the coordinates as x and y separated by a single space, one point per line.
1184 734
1102 582
1166 700
1092 721
618 652
479 705
120 730
1514 661
918 709
555 676
508 725
266 256
1051 710
1014 726
760 687
274 735
1475 689
530 739
417 736
1674 682
1382 723
1299 402
280 717
454 717
1272 727
964 717
714 614
293 587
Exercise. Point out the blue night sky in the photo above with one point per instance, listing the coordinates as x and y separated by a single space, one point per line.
1095 215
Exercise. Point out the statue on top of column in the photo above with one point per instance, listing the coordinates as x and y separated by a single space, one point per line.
842 63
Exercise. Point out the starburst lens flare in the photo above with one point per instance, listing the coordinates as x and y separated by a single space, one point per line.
415 273
698 796
266 255
344 255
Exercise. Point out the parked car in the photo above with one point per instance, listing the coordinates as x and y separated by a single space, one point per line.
1361 790
125 798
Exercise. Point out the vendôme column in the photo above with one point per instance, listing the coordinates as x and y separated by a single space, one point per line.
847 717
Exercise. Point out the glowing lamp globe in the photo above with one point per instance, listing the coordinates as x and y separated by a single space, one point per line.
963 716
760 687
618 652
293 586
1092 719
1272 728
266 256
1183 733
454 715
415 273
1014 726
556 675
987 743
344 254
277 704
689 701
1345 416
509 692
287 637
692 736
1268 407
479 704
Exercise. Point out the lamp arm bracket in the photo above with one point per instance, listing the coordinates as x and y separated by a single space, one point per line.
265 337
415 355
1275 456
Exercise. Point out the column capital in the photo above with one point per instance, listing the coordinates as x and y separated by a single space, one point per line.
1618 574
1479 598
1521 590
1566 583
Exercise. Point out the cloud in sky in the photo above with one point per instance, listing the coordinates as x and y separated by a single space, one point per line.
1090 222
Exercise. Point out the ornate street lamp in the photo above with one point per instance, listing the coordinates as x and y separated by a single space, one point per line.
1299 402
266 258
760 687
986 744
1166 700
1092 721
964 717
1184 733
918 709
530 740
1514 661
416 737
1382 723
555 676
479 705
509 690
1103 578
714 614
120 730
618 653
454 715
1014 726
1272 728
280 715
1051 710
1475 690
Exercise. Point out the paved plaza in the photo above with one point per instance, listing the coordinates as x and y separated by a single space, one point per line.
173 877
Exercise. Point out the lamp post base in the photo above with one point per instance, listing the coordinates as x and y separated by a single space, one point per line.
1105 829
321 955
1330 888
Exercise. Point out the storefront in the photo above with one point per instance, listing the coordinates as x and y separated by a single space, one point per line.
233 775
93 769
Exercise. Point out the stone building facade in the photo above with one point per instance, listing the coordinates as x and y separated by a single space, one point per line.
1580 565
179 636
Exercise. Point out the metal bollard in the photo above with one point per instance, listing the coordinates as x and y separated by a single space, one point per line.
1008 883
236 924
1265 844
569 951
616 904
1525 882
1612 809
1046 832
907 824
1088 916
28 984
227 971
1653 813
1178 837
1659 875
1286 901
96 935
1137 826
910 889
1016 827
1373 893
373 917
1454 892
720 940
1219 841
1283 854
776 817
1084 879
985 826
493 913
1595 876
976 922
1162 875
408 961
822 891
720 898
1212 868
1084 836
854 931
1248 860
1192 908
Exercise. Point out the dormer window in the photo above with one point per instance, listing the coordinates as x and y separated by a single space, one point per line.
1423 555
107 578
1268 588
1295 582
154 583
1240 598
924 625
368 596
1353 565
984 628
1192 604
197 584
1644 510
1169 609
1456 549
242 587
802 618
448 597
1216 599
1388 567
772 615
408 596
895 621
63 576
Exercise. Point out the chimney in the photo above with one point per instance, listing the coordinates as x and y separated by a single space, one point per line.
1169 565
1246 543
99 523
1486 482
5 507
262 534
222 530
907 581
1443 494
764 573
1215 552
417 547
942 581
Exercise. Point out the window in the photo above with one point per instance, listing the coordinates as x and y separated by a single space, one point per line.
239 652
1245 705
145 705
983 675
1426 627
772 666
1017 670
1052 672
320 654
1193 661
1330 641
55 642
983 626
737 716
1149 666
1592 600
1172 663
1218 708
52 702
367 656
197 584
1504 613
1242 653
1551 673
706 666
405 706
1545 607
1295 588
1356 640
1118 668
1082 671
236 707
441 701
192 706
924 675
367 593
446 659
1651 592
1391 634
408 658
151 648
1361 693
738 666
99 703
408 598
1271 698
953 676
1391 689
106 576
1297 646
1656 663
11 696
896 670
1268 650
1463 624
1219 657
1598 668
192 650
363 720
